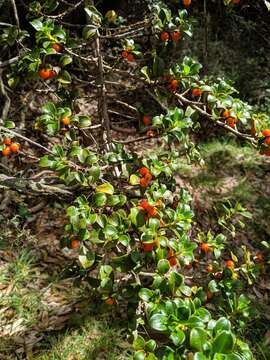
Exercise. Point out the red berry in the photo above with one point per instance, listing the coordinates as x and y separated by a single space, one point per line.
164 36
152 211
266 132
209 295
172 261
130 58
110 301
146 120
144 171
44 73
57 47
231 122
148 247
186 2
173 85
176 36
74 244
6 151
14 147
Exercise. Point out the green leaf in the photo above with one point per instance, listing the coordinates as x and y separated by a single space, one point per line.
163 266
178 337
105 188
99 199
9 124
45 161
150 345
64 77
37 24
65 60
138 343
158 322
136 217
110 231
198 337
223 343
86 261
222 324
145 294
200 356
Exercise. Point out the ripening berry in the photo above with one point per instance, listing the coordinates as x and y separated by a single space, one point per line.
173 85
65 120
266 132
148 247
197 92
170 253
210 268
164 36
189 266
265 152
52 74
219 275
15 147
7 141
231 122
148 177
44 73
226 113
209 295
186 2
57 47
6 151
267 140
109 301
176 36
229 264
74 244
130 58
205 247
146 120
125 54
235 1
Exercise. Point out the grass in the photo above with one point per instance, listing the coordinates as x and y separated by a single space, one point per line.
94 340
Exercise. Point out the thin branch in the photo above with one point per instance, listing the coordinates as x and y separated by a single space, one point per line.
142 138
15 13
9 61
7 101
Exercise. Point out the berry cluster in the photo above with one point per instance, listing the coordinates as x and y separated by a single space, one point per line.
10 147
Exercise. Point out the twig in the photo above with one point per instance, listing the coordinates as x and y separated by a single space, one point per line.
142 138
7 101
164 107
9 61
15 13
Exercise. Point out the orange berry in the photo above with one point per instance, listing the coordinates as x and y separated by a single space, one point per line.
146 120
130 58
7 141
173 85
197 92
65 120
144 204
148 247
57 47
109 301
229 264
144 171
186 2
6 151
15 147
164 36
176 36
143 182
266 132
125 54
152 211
231 122
173 261
209 295
44 73
226 113
148 177
205 247
210 268
74 244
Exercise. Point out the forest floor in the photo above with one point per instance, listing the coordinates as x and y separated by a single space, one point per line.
47 313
